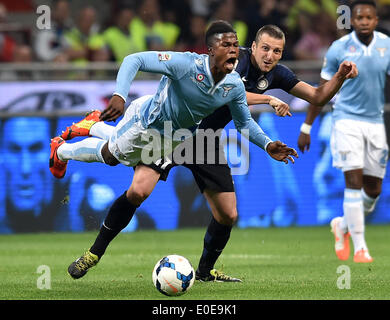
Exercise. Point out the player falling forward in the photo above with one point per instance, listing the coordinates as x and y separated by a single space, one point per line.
256 65
358 141
179 100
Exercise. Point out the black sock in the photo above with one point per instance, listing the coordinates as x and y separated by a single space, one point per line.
118 218
215 240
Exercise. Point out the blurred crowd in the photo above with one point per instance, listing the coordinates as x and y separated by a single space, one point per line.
87 34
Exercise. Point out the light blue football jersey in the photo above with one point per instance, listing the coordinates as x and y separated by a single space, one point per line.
361 98
187 93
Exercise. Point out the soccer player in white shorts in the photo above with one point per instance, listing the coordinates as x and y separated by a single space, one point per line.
358 140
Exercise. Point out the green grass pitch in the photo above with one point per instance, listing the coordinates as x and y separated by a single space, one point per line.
276 263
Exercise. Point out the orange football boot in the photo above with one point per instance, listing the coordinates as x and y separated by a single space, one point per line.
57 166
341 239
81 128
362 256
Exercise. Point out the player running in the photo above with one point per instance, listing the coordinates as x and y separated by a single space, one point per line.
358 141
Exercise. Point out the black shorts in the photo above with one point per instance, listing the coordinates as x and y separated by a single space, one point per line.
215 177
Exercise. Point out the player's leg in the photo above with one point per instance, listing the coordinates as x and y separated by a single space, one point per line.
224 216
125 144
354 213
372 188
216 184
347 147
375 163
375 160
118 217
87 150
89 126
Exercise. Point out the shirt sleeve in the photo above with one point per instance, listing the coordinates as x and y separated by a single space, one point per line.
244 122
331 63
286 78
172 64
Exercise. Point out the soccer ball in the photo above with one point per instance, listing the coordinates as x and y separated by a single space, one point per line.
173 275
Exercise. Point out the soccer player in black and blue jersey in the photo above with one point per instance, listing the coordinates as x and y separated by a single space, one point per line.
259 69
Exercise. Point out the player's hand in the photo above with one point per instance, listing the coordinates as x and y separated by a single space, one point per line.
304 142
114 110
348 70
281 152
282 109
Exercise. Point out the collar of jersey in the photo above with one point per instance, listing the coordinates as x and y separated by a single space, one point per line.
366 49
214 87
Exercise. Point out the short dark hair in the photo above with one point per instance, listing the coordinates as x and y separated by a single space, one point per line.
216 27
367 2
271 30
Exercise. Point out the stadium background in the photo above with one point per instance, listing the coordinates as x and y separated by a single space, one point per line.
42 93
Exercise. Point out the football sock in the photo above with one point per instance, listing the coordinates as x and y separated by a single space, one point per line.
344 224
118 217
87 150
215 240
368 202
101 130
353 211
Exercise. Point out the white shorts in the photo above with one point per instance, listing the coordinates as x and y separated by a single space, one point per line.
131 143
359 145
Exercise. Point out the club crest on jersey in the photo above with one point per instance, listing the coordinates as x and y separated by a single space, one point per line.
200 77
352 51
382 51
164 56
226 90
262 84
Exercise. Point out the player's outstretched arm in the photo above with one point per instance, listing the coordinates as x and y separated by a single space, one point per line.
281 108
171 64
281 152
324 93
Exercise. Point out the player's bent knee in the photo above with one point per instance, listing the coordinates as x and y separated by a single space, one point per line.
108 157
227 218
137 195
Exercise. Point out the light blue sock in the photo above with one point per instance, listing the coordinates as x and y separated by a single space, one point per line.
87 150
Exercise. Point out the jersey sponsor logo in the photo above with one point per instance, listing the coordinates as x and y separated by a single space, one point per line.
382 51
262 84
164 56
226 90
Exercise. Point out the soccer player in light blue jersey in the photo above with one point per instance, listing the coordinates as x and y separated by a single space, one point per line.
192 87
358 141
